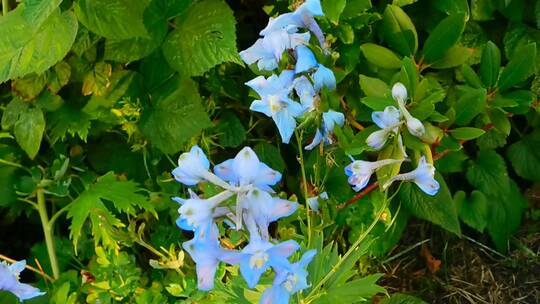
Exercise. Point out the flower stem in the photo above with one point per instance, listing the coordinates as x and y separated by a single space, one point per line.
5 7
304 183
48 232
311 296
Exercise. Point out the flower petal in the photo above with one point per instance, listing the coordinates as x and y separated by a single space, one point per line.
315 142
324 77
305 60
245 166
377 139
285 124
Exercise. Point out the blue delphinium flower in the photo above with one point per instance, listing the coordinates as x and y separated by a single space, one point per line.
313 201
330 120
9 281
415 126
290 278
422 176
324 77
196 213
389 122
360 171
275 101
193 167
302 17
305 59
306 92
267 51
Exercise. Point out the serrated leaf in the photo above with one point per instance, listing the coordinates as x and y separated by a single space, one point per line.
204 37
439 209
399 31
490 64
443 37
488 173
500 121
354 290
90 204
470 104
115 19
519 68
380 56
176 115
525 157
68 120
473 211
28 131
26 49
467 133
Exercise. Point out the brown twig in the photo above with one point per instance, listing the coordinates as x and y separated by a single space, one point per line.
359 195
349 116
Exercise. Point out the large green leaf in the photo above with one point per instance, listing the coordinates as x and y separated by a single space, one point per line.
380 56
488 173
490 64
470 104
333 9
399 31
123 195
25 49
175 116
520 67
358 290
473 211
116 19
439 209
28 130
443 37
204 37
525 157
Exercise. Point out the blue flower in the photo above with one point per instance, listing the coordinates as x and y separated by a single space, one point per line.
192 167
275 101
258 256
9 281
246 169
388 121
330 120
205 251
302 17
305 91
360 171
313 202
267 51
290 278
196 213
305 59
422 176
324 77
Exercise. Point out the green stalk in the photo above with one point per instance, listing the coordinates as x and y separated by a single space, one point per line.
48 232
304 181
311 296
5 7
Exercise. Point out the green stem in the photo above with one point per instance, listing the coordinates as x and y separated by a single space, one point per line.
311 296
5 7
304 182
48 232
10 163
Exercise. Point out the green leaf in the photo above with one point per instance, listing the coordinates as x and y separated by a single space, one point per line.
500 121
128 50
443 37
69 119
470 104
399 298
175 116
12 112
115 19
232 132
491 140
28 131
204 37
90 203
490 64
409 75
439 209
505 215
455 56
473 211
332 9
467 133
488 173
482 10
380 56
29 86
399 31
373 86
525 157
391 151
26 49
520 67
470 77
452 7
270 155
377 103
354 291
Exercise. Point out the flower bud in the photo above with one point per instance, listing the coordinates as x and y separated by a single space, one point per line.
399 92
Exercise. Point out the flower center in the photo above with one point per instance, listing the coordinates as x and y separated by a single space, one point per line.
275 103
292 279
258 259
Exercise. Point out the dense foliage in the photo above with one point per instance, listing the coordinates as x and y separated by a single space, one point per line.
171 151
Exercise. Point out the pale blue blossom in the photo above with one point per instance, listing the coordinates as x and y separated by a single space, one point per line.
305 59
313 201
423 176
306 92
9 281
360 171
324 77
330 120
389 121
415 126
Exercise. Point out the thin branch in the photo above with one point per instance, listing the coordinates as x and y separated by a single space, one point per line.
359 195
41 273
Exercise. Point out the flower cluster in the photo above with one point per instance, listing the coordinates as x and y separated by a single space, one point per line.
9 281
303 83
390 121
246 201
